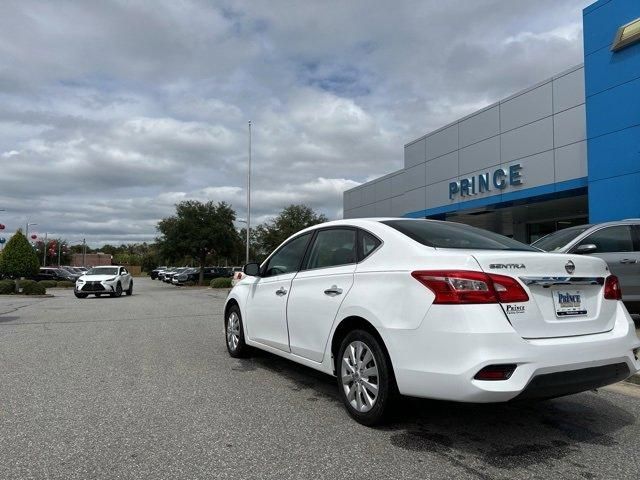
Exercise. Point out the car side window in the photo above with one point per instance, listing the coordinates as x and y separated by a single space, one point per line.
124 271
333 247
611 239
636 234
367 244
288 258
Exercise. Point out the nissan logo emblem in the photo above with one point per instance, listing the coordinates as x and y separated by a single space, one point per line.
570 267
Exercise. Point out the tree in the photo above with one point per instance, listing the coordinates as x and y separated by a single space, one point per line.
109 249
241 248
198 230
150 260
54 245
127 259
290 220
18 258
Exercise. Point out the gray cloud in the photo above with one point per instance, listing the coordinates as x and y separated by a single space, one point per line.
112 111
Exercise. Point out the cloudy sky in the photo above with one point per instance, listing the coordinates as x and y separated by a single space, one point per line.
113 111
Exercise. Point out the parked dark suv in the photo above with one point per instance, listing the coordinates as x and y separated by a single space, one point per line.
56 274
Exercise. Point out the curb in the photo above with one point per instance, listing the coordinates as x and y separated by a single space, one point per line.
21 295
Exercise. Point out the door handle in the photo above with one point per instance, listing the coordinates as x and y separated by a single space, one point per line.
281 291
628 260
333 291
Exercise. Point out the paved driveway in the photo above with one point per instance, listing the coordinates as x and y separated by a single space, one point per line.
142 387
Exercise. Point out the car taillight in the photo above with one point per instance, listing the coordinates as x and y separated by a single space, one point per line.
508 290
612 289
462 286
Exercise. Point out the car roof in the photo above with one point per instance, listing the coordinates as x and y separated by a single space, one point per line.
364 222
593 226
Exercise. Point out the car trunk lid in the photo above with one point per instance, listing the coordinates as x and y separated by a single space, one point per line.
565 292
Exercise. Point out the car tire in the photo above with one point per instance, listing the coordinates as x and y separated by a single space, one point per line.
98 294
130 289
80 295
366 383
118 292
234 333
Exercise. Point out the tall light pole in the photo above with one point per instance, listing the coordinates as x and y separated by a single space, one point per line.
2 228
27 229
60 249
44 250
248 196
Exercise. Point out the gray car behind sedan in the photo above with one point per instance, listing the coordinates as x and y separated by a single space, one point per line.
617 243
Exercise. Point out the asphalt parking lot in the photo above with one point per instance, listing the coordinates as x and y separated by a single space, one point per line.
142 387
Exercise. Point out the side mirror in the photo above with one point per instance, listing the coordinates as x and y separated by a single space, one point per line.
586 248
251 269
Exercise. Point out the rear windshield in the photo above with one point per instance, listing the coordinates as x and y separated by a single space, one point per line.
556 240
438 234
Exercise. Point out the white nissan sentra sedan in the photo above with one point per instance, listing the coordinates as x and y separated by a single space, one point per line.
433 309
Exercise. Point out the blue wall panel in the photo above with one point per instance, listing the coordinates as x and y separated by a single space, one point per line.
614 109
616 198
612 84
620 149
608 69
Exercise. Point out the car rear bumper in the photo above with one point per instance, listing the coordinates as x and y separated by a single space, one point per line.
440 358
550 385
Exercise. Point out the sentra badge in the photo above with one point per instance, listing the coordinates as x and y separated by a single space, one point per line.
497 266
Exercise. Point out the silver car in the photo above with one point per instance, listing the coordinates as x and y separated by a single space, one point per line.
617 243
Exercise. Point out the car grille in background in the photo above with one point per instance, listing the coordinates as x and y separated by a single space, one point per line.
93 287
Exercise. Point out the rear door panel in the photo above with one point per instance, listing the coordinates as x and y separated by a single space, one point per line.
311 311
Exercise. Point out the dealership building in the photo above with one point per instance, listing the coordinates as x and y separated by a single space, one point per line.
563 152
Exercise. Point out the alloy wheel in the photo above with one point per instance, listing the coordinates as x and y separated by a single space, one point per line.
233 331
359 374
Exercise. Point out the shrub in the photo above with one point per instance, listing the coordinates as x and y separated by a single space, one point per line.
48 283
65 284
7 287
31 287
34 289
220 283
24 281
18 257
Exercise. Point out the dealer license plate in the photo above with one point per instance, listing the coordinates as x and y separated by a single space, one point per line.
569 303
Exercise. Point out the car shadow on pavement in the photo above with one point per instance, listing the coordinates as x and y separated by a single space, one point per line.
503 436
301 377
508 435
